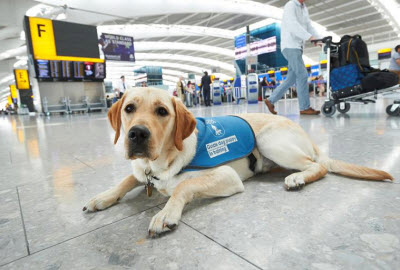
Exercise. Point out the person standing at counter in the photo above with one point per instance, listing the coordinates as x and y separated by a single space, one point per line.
205 85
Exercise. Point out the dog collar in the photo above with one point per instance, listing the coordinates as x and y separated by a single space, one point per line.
149 185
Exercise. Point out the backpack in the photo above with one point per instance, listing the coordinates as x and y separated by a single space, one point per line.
353 50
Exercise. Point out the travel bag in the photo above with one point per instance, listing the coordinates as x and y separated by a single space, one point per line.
353 50
347 92
344 77
380 79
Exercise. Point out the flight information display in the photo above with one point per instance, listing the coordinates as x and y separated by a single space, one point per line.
67 70
54 70
43 69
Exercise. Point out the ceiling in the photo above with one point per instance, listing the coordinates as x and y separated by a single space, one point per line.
171 22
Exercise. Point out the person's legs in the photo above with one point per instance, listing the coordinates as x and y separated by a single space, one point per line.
301 80
208 97
278 93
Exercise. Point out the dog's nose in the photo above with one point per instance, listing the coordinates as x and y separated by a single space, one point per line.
138 134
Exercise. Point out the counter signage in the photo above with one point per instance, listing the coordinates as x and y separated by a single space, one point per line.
13 92
22 79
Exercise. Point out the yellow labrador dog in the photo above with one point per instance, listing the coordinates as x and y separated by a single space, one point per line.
160 140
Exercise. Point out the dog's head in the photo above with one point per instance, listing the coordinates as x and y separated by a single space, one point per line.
152 120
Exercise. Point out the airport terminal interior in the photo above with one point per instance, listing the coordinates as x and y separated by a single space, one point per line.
72 72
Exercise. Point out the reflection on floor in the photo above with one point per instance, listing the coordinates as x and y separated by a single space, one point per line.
51 166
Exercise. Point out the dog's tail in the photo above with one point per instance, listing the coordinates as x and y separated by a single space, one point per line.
352 170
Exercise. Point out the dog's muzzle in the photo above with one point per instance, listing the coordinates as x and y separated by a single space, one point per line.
138 139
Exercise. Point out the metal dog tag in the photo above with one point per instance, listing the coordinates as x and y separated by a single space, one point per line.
149 189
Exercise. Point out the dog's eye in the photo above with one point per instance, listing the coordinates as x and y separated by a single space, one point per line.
162 111
129 108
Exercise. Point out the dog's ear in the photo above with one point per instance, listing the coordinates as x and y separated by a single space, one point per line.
114 116
185 123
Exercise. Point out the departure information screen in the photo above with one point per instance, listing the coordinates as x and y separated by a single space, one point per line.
54 70
43 68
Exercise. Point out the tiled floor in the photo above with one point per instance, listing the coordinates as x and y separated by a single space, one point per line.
50 167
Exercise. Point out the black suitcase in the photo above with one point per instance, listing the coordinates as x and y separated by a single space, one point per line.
347 92
379 80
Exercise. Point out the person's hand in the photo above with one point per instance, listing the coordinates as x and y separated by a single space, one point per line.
312 39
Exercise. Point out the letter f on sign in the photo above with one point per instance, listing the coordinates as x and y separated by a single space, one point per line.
40 30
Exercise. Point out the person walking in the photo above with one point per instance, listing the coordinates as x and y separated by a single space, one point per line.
296 28
205 85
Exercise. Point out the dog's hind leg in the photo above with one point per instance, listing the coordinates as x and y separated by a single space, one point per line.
290 147
313 173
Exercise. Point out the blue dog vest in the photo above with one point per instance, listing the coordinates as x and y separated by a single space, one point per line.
220 140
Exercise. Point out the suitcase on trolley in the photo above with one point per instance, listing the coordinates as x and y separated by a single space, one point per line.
350 86
345 81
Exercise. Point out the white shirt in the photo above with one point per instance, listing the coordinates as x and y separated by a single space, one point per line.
296 26
121 87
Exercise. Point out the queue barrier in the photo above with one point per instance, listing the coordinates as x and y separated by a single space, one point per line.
62 107
65 105
78 107
100 105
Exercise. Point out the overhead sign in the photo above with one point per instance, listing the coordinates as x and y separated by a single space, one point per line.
22 79
117 47
384 53
240 41
267 45
14 94
56 40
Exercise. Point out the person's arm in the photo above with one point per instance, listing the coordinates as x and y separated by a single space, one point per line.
294 27
311 30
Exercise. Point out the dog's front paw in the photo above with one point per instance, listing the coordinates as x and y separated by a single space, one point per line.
294 182
102 200
163 221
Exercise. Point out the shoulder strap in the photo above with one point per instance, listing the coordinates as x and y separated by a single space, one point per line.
348 51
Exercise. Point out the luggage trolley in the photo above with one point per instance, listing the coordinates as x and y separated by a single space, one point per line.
343 104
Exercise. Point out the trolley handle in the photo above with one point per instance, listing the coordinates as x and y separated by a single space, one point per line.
325 40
